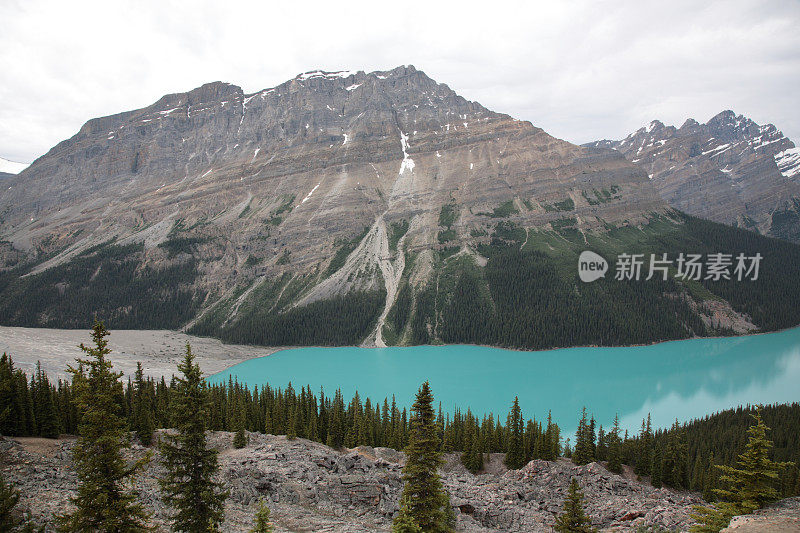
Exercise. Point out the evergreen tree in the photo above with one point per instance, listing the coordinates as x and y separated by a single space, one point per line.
403 521
12 417
240 438
583 452
656 468
515 452
10 520
45 409
754 482
751 486
573 519
424 499
644 457
291 430
714 518
188 485
102 502
472 456
614 448
552 439
143 423
675 466
262 521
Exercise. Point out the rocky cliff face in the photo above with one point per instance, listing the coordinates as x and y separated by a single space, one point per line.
364 167
729 170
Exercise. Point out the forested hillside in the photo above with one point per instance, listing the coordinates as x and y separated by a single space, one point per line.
518 287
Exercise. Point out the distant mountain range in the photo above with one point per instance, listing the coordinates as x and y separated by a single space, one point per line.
729 170
349 208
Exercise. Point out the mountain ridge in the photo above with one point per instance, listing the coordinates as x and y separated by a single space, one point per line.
730 170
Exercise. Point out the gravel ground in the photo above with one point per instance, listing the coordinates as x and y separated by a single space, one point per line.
158 350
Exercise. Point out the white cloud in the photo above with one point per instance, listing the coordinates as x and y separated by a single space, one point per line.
580 70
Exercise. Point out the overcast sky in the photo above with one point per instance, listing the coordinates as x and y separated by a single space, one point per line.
581 70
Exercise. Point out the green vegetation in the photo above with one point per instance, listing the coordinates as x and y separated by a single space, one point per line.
262 522
396 232
275 217
504 210
285 258
103 501
424 502
751 486
342 320
564 205
143 424
573 519
398 315
447 236
602 196
188 486
108 281
531 297
10 519
181 245
345 249
448 214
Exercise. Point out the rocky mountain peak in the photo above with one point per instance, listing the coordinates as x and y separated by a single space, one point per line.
729 169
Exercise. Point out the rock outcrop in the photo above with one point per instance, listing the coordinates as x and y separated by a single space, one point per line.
310 487
729 170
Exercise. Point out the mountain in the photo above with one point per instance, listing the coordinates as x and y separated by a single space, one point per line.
729 170
347 208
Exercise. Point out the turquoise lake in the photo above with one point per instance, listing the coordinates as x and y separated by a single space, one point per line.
679 379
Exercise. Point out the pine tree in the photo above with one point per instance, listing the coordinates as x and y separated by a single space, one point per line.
240 439
262 523
515 452
472 456
47 416
10 520
12 417
714 518
188 485
102 502
614 448
552 439
644 457
573 519
583 452
656 468
291 430
754 482
752 485
675 466
424 499
403 521
142 409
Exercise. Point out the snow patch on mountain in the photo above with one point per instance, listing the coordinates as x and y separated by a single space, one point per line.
788 162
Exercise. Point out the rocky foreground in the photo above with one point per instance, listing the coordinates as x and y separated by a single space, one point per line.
311 487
